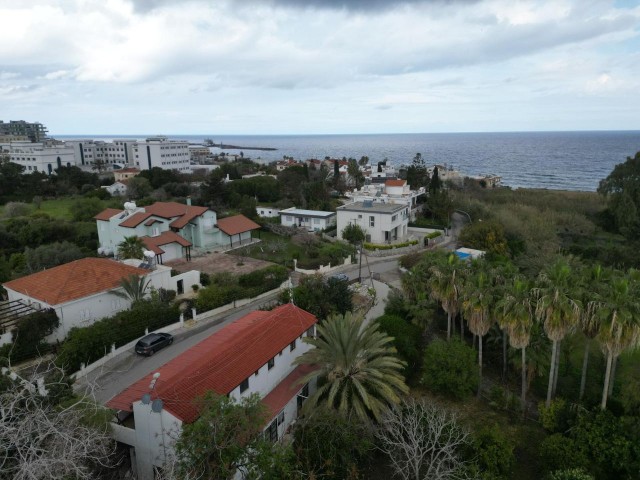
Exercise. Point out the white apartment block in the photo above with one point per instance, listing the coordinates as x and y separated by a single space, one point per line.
163 153
117 152
41 157
391 191
383 223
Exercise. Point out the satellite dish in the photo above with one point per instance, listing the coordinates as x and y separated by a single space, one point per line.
156 406
146 399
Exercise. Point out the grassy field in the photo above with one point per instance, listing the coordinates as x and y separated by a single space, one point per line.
58 208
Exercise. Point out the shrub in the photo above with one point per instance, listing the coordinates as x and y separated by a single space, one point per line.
16 209
571 474
375 246
433 235
28 337
493 453
560 452
406 338
557 417
450 368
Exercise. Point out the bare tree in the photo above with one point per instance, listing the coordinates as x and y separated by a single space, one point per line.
423 441
42 437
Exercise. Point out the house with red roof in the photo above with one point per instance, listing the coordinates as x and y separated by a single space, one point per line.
252 355
170 230
82 291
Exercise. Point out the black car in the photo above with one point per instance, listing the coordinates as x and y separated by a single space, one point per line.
150 344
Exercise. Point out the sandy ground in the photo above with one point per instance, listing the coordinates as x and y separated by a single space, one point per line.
219 262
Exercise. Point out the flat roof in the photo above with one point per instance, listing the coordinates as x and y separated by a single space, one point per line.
377 207
307 213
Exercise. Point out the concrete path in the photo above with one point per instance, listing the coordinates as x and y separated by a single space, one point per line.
382 292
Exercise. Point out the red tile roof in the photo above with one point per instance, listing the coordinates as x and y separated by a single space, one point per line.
107 213
286 389
132 221
220 362
395 183
74 280
154 243
174 209
236 224
127 170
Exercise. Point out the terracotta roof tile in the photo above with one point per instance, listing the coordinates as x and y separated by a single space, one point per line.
237 224
395 183
132 221
154 243
74 280
174 209
108 213
220 362
286 389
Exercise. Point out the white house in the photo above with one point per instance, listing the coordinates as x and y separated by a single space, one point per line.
163 153
312 220
116 189
383 223
170 229
391 191
254 354
267 212
41 157
81 291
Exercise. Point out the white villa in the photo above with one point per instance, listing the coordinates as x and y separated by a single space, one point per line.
391 191
312 220
254 354
383 223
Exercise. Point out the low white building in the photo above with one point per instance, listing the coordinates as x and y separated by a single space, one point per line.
268 212
82 291
163 153
391 191
254 354
383 223
312 220
41 157
116 189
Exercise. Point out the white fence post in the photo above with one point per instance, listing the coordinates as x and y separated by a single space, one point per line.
182 319
193 313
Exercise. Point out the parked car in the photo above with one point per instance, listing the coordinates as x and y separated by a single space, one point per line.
150 344
341 277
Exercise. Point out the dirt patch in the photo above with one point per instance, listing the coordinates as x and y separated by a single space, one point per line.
218 263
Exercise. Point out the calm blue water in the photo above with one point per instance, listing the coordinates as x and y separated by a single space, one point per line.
554 160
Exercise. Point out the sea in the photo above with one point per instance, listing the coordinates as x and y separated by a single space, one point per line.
551 160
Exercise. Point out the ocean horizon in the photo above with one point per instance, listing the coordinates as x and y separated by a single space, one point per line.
572 160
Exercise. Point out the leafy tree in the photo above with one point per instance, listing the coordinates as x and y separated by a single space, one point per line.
354 234
218 442
417 173
321 297
560 452
131 247
138 187
570 474
134 288
83 210
28 336
272 461
357 364
436 184
622 189
450 368
493 453
488 236
353 170
406 338
16 209
158 177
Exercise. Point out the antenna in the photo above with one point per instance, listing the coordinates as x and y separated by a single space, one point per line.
155 378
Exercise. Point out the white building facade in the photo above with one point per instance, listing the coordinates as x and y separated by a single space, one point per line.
383 223
162 153
391 191
312 220
41 157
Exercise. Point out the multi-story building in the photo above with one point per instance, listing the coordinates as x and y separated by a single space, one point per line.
391 191
41 157
35 132
110 154
383 223
253 355
163 153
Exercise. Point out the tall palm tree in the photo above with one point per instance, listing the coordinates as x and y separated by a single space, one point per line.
446 284
619 328
516 315
134 288
557 310
359 367
131 247
477 308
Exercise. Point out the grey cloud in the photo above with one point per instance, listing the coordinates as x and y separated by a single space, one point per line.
383 107
359 5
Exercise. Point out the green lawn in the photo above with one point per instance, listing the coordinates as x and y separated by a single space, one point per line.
59 208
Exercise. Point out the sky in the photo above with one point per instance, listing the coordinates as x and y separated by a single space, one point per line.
320 66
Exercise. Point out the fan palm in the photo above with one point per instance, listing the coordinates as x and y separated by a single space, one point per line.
477 306
134 288
361 373
516 316
131 247
619 328
557 311
446 284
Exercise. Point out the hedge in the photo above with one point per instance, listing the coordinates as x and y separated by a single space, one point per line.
88 344
433 235
375 246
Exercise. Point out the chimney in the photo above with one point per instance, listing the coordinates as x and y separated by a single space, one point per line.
189 200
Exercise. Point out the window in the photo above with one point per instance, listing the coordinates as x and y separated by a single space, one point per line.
310 332
360 216
272 431
292 346
372 221
394 218
271 363
257 372
244 385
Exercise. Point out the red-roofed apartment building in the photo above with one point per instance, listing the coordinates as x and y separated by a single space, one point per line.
171 229
254 354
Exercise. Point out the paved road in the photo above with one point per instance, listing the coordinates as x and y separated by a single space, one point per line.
128 367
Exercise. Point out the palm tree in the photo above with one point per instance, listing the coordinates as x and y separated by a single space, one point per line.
131 247
361 373
135 288
477 306
619 329
516 315
446 284
557 311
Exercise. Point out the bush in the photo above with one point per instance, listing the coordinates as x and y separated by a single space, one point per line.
406 339
27 339
493 453
560 452
375 246
450 368
16 209
433 235
556 418
572 474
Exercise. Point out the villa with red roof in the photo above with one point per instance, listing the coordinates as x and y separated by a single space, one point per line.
82 291
171 229
254 354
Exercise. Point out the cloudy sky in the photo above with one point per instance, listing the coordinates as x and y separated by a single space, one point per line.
314 66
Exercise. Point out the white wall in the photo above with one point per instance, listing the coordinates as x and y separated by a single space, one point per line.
382 222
